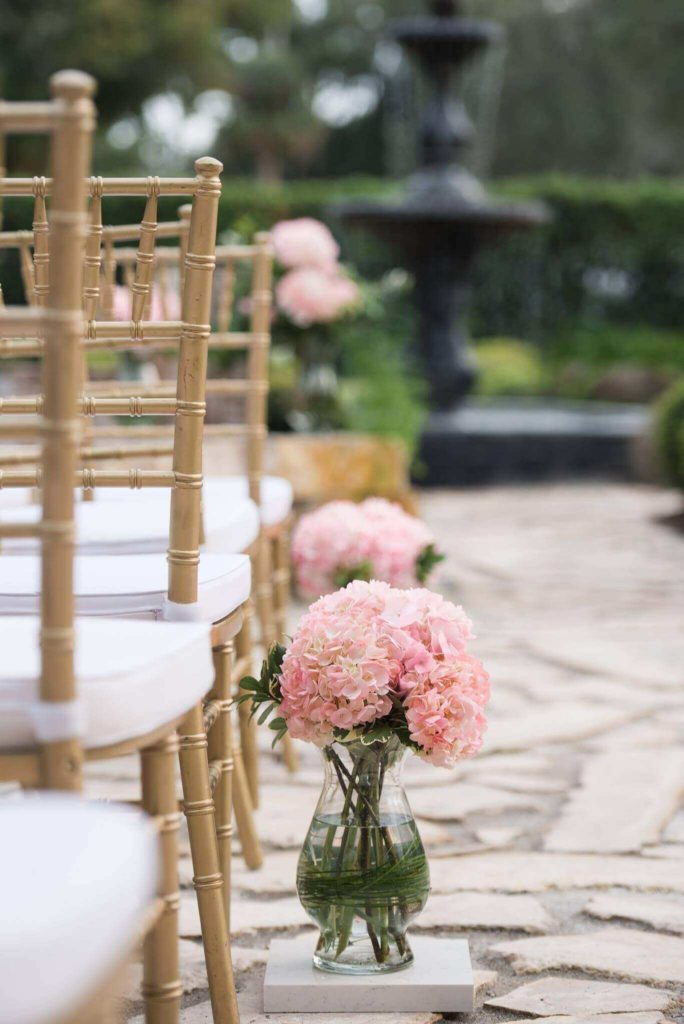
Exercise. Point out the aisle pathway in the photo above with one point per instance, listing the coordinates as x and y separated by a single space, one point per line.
560 851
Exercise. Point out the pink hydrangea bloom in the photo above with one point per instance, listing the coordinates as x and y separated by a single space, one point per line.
167 309
342 536
310 295
361 649
324 541
304 242
339 670
447 724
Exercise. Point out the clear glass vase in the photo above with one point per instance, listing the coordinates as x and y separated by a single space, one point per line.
363 874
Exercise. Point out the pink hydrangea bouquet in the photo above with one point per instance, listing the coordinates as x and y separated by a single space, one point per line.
371 672
315 288
370 661
374 539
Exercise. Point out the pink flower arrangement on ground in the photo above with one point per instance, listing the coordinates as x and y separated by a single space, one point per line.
375 539
371 662
315 288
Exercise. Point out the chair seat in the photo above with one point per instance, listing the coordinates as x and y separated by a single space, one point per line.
140 524
223 493
75 882
11 497
130 585
276 495
132 677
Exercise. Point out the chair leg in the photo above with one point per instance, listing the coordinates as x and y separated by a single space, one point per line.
281 599
162 987
264 590
248 736
220 749
208 880
244 813
281 578
290 755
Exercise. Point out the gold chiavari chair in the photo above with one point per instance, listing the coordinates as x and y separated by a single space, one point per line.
247 393
232 504
142 527
57 915
210 594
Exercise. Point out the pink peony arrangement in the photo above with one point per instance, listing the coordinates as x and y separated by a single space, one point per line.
315 289
375 539
372 662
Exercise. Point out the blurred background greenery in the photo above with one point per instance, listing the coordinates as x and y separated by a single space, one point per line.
307 101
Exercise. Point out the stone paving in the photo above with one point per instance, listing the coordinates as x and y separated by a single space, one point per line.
559 852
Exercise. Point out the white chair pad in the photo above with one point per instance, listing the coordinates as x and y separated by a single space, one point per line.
75 882
221 494
140 524
276 496
130 585
11 497
132 677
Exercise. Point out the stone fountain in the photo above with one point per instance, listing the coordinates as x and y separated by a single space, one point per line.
445 216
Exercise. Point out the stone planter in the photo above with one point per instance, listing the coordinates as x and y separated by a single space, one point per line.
323 467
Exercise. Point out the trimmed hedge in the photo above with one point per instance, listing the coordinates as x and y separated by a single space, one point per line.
613 252
669 434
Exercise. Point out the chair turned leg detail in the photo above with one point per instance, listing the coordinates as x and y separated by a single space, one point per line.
281 599
244 813
281 579
248 736
264 591
220 740
162 987
198 807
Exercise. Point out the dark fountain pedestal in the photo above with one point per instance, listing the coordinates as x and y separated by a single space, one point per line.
512 440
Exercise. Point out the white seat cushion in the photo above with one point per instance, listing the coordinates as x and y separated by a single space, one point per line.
130 585
276 496
140 524
75 881
11 497
132 677
221 494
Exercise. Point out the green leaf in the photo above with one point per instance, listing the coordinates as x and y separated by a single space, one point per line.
428 558
249 683
378 733
265 713
362 571
278 724
277 737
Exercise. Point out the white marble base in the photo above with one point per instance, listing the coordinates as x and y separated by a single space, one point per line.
440 980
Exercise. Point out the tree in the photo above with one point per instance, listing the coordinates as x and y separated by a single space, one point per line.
132 47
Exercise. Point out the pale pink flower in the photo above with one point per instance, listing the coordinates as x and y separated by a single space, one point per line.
304 242
341 536
309 295
445 724
339 669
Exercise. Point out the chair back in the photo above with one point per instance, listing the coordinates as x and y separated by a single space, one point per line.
247 384
56 317
185 399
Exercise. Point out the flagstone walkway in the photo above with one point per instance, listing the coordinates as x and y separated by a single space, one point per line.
559 852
